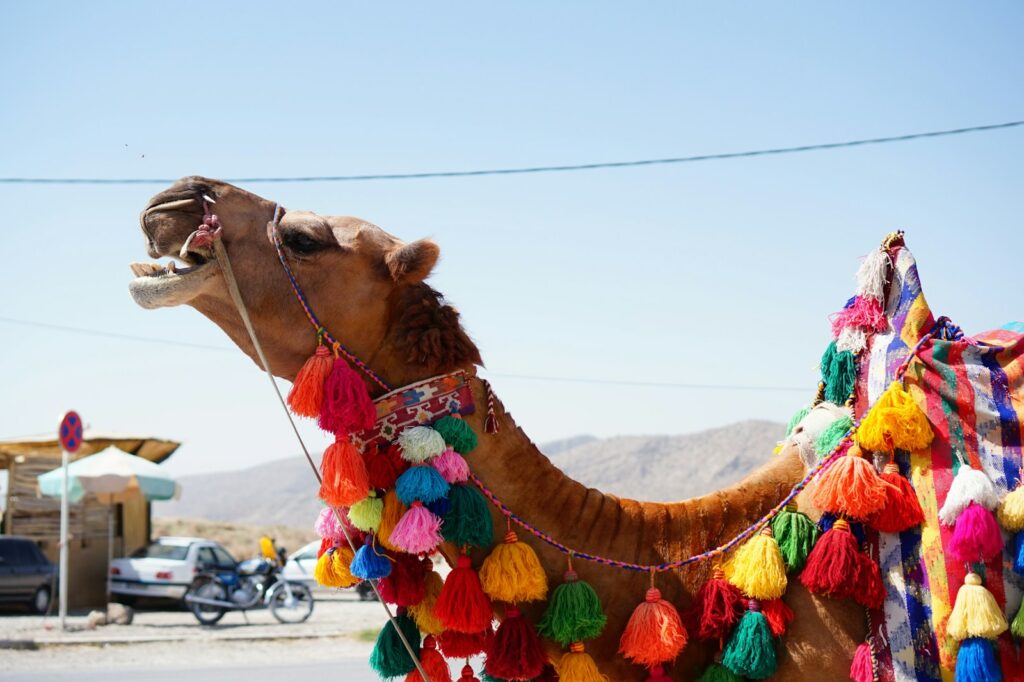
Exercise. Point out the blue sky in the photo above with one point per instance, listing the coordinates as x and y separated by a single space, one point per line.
712 273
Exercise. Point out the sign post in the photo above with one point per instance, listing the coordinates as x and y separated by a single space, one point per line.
70 436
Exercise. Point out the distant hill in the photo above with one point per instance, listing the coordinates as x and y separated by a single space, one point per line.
653 468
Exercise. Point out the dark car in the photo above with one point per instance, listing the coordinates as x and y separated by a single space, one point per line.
26 575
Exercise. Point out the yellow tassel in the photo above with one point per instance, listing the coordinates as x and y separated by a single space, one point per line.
975 613
757 568
1011 511
577 666
894 422
423 613
331 568
389 517
512 572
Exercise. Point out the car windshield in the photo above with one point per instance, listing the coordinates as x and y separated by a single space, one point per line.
159 551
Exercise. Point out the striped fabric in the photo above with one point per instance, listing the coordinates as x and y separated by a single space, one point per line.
973 393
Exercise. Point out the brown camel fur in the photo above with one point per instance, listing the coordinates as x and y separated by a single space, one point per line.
367 288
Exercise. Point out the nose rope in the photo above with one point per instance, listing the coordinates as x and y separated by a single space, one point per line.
236 296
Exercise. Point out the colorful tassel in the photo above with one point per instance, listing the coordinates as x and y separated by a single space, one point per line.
456 433
392 513
463 645
332 568
467 672
328 527
833 563
852 340
976 662
423 612
828 519
850 486
421 482
469 520
1011 510
462 605
829 439
451 465
841 377
344 475
418 531
864 312
796 534
716 608
420 443
779 616
654 633
365 514
716 672
384 465
894 422
346 407
440 507
873 274
975 612
969 485
577 666
902 510
512 572
433 663
750 651
862 668
757 568
405 585
574 612
976 536
368 563
1018 553
657 674
1017 626
325 545
868 589
390 657
307 393
516 652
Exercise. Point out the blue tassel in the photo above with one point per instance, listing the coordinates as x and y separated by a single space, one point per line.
423 483
1018 553
440 506
976 661
828 518
368 564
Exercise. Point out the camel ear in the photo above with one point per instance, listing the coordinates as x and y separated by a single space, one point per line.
412 262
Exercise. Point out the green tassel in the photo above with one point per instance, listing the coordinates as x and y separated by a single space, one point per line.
574 612
468 522
751 650
796 535
796 419
717 672
842 376
830 437
826 362
456 433
1017 626
389 657
366 513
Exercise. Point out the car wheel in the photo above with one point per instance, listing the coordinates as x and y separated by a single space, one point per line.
41 600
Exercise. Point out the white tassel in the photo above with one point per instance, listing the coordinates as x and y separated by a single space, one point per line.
969 485
872 274
420 443
853 339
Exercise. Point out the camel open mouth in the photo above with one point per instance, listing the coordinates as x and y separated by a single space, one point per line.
182 278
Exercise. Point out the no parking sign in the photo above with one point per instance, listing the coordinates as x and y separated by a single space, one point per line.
70 432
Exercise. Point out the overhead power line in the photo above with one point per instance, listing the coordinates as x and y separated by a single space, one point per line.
523 377
775 151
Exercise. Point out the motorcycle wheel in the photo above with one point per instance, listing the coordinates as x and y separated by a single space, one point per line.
207 587
294 608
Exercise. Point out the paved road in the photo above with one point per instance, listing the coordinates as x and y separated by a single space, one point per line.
348 670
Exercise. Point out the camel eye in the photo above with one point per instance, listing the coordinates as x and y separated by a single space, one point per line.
301 243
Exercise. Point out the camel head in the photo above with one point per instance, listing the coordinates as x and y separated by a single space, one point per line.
365 285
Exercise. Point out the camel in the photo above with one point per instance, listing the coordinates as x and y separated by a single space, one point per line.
368 289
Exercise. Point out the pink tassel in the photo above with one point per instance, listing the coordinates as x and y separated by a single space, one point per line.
418 531
346 406
327 527
452 466
976 535
865 313
861 670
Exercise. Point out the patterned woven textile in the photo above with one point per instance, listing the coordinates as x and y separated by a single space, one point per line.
973 393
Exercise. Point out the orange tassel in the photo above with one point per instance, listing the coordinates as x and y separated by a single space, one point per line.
654 633
307 393
433 664
851 487
344 475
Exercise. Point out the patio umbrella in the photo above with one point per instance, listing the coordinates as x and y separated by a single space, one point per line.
112 475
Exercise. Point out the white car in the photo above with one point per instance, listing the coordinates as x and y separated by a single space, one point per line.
300 566
165 568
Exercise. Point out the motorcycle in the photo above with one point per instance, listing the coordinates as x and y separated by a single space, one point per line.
254 584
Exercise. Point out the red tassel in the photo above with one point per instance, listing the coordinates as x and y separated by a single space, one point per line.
716 608
861 670
832 565
516 652
868 589
325 544
406 584
433 664
346 406
654 633
902 509
778 615
467 674
851 487
657 674
384 465
307 393
344 475
461 645
462 605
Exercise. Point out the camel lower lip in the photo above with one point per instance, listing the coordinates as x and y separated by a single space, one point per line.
157 286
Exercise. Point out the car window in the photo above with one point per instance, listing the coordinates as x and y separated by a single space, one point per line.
159 551
223 559
302 555
15 553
